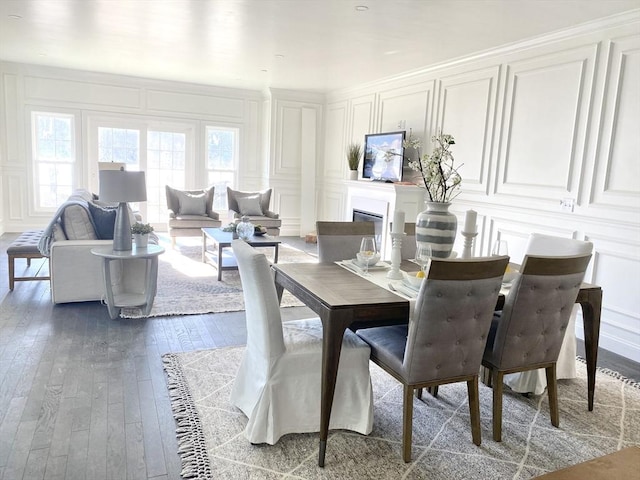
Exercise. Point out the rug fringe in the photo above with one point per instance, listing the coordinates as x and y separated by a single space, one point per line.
614 374
191 442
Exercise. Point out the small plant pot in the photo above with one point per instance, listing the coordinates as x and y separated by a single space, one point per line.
353 175
141 240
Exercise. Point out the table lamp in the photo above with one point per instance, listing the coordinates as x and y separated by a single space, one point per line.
122 187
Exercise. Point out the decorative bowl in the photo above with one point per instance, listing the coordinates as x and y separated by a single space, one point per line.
510 274
259 231
371 262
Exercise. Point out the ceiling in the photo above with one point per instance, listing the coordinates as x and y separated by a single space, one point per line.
311 45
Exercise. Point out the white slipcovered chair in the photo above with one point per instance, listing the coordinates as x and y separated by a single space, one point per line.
341 240
535 381
279 380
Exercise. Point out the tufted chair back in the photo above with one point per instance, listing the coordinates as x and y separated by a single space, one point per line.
450 324
536 311
341 240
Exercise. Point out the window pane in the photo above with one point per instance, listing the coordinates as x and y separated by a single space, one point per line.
119 145
54 157
221 149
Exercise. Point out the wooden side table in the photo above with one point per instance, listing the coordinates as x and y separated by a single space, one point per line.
116 300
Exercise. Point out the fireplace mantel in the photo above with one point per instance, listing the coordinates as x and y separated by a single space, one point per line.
383 199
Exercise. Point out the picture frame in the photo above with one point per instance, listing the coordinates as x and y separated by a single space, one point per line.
383 156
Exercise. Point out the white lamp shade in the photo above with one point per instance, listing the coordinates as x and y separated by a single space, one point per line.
122 186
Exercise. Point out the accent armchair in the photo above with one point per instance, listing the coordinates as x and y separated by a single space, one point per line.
254 205
189 211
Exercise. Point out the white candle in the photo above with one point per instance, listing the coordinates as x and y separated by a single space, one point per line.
470 221
398 222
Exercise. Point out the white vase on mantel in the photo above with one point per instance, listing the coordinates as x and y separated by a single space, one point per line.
437 227
353 175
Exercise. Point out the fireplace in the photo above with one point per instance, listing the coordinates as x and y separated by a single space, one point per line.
375 201
364 216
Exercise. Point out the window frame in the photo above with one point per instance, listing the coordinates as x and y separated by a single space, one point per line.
33 164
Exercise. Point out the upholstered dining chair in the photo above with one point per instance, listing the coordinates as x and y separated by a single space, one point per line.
445 338
341 240
534 381
189 211
278 383
529 331
254 205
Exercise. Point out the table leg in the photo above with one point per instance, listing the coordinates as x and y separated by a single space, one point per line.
152 284
275 256
204 247
219 262
334 325
108 287
591 312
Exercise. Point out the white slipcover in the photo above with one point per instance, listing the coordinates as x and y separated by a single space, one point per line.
535 381
279 380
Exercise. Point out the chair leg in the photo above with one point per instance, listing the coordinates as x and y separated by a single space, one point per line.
173 242
474 410
407 423
496 380
418 393
552 391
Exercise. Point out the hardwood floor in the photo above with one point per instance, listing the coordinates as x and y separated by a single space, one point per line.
84 396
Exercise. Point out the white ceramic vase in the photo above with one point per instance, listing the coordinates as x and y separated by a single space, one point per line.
437 227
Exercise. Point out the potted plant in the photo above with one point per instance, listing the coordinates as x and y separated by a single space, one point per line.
141 233
354 152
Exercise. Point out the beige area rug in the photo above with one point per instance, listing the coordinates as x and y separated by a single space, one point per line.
187 286
212 445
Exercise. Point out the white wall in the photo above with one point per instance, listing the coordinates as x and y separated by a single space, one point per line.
556 117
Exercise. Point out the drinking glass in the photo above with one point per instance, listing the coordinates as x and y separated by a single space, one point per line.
367 251
500 248
423 255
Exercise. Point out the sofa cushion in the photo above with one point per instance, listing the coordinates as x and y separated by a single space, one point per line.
250 205
192 204
104 220
76 223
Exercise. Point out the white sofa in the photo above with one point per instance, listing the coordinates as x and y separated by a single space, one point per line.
76 274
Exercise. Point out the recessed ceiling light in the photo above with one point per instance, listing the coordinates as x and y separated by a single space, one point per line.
279 56
15 17
361 8
264 70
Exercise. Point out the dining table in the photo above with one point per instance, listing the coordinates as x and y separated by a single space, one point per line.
345 297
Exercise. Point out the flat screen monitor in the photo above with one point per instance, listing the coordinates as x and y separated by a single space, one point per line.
383 156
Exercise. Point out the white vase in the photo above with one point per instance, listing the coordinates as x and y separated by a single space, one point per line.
141 239
353 175
437 227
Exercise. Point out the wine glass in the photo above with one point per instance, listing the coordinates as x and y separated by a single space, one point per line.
500 248
367 251
423 255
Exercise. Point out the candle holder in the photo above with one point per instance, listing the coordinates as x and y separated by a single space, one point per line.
467 249
396 256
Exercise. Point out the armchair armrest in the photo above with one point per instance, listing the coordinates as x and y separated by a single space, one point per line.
271 214
214 215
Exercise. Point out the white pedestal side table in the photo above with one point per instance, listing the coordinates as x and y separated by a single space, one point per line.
121 298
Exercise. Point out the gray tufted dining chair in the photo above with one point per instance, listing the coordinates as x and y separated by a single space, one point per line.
445 337
529 332
341 240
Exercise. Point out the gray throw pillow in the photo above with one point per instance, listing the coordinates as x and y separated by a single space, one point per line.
250 206
191 204
104 219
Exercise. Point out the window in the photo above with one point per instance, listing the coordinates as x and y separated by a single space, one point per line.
54 156
166 157
222 148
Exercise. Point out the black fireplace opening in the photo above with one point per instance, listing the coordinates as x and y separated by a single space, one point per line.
363 216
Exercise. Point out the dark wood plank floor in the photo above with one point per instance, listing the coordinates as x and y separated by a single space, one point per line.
84 397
